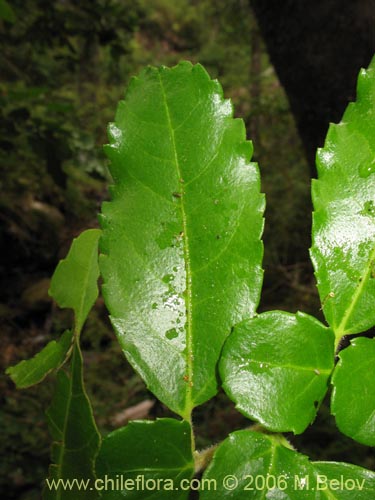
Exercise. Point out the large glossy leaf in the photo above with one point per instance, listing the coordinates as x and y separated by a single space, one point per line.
250 465
343 250
32 371
276 366
181 236
353 395
76 438
74 282
155 458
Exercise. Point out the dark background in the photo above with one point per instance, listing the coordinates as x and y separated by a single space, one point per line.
290 68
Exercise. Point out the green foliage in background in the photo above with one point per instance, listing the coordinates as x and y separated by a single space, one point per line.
63 69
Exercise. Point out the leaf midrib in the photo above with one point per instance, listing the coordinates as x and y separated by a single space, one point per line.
62 449
271 466
79 321
186 413
340 331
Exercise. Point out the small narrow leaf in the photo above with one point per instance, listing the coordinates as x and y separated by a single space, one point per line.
276 366
181 237
343 250
249 465
152 459
32 371
74 282
353 396
76 438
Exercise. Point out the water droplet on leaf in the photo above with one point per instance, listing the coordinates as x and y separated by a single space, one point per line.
171 334
366 169
368 208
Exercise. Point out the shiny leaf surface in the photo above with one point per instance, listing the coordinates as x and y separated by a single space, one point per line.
250 465
181 237
343 250
344 481
145 454
276 366
76 438
74 282
353 396
32 371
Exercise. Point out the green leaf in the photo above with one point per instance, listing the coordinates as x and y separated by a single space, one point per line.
32 371
345 481
343 250
276 366
353 396
74 282
76 438
6 12
251 465
150 458
181 236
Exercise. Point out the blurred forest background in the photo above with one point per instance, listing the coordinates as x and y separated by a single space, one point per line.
63 67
